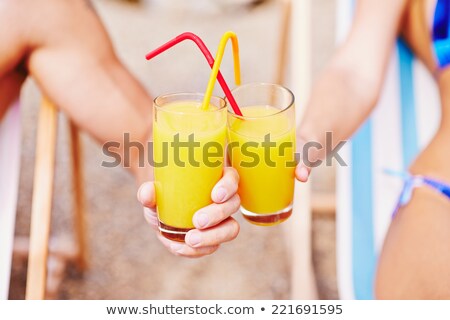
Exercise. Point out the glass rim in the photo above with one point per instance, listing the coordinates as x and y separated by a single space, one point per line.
266 84
193 96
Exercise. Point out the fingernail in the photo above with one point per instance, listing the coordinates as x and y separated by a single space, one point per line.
176 247
221 194
201 220
145 193
194 239
304 173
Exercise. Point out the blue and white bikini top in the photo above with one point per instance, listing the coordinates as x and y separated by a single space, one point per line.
441 33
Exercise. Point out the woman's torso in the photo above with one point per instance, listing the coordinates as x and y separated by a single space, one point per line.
422 27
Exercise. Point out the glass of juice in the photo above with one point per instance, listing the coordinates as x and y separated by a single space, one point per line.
188 154
262 149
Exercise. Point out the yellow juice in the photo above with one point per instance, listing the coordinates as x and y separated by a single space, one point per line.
266 174
184 179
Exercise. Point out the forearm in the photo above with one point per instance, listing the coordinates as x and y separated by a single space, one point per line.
82 75
349 87
340 102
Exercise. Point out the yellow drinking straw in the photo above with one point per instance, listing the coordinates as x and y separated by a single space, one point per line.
215 70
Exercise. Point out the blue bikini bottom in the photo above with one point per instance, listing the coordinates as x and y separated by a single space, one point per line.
413 181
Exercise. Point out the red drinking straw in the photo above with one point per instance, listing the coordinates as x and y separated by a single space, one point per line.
201 45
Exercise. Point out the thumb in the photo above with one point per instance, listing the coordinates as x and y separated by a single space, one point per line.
302 172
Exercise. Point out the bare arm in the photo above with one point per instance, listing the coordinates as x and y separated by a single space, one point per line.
349 87
74 63
65 48
68 52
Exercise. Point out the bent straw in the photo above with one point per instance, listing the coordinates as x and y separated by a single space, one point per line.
201 45
215 69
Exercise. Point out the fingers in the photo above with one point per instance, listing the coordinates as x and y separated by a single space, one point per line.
226 187
214 224
146 195
302 172
224 232
215 213
182 249
203 242
151 217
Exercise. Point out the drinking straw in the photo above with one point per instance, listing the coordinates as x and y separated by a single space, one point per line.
201 45
215 69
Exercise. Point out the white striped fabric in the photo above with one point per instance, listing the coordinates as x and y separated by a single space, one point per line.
9 184
403 122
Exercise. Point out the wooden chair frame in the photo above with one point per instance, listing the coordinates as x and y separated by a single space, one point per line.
295 38
45 267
